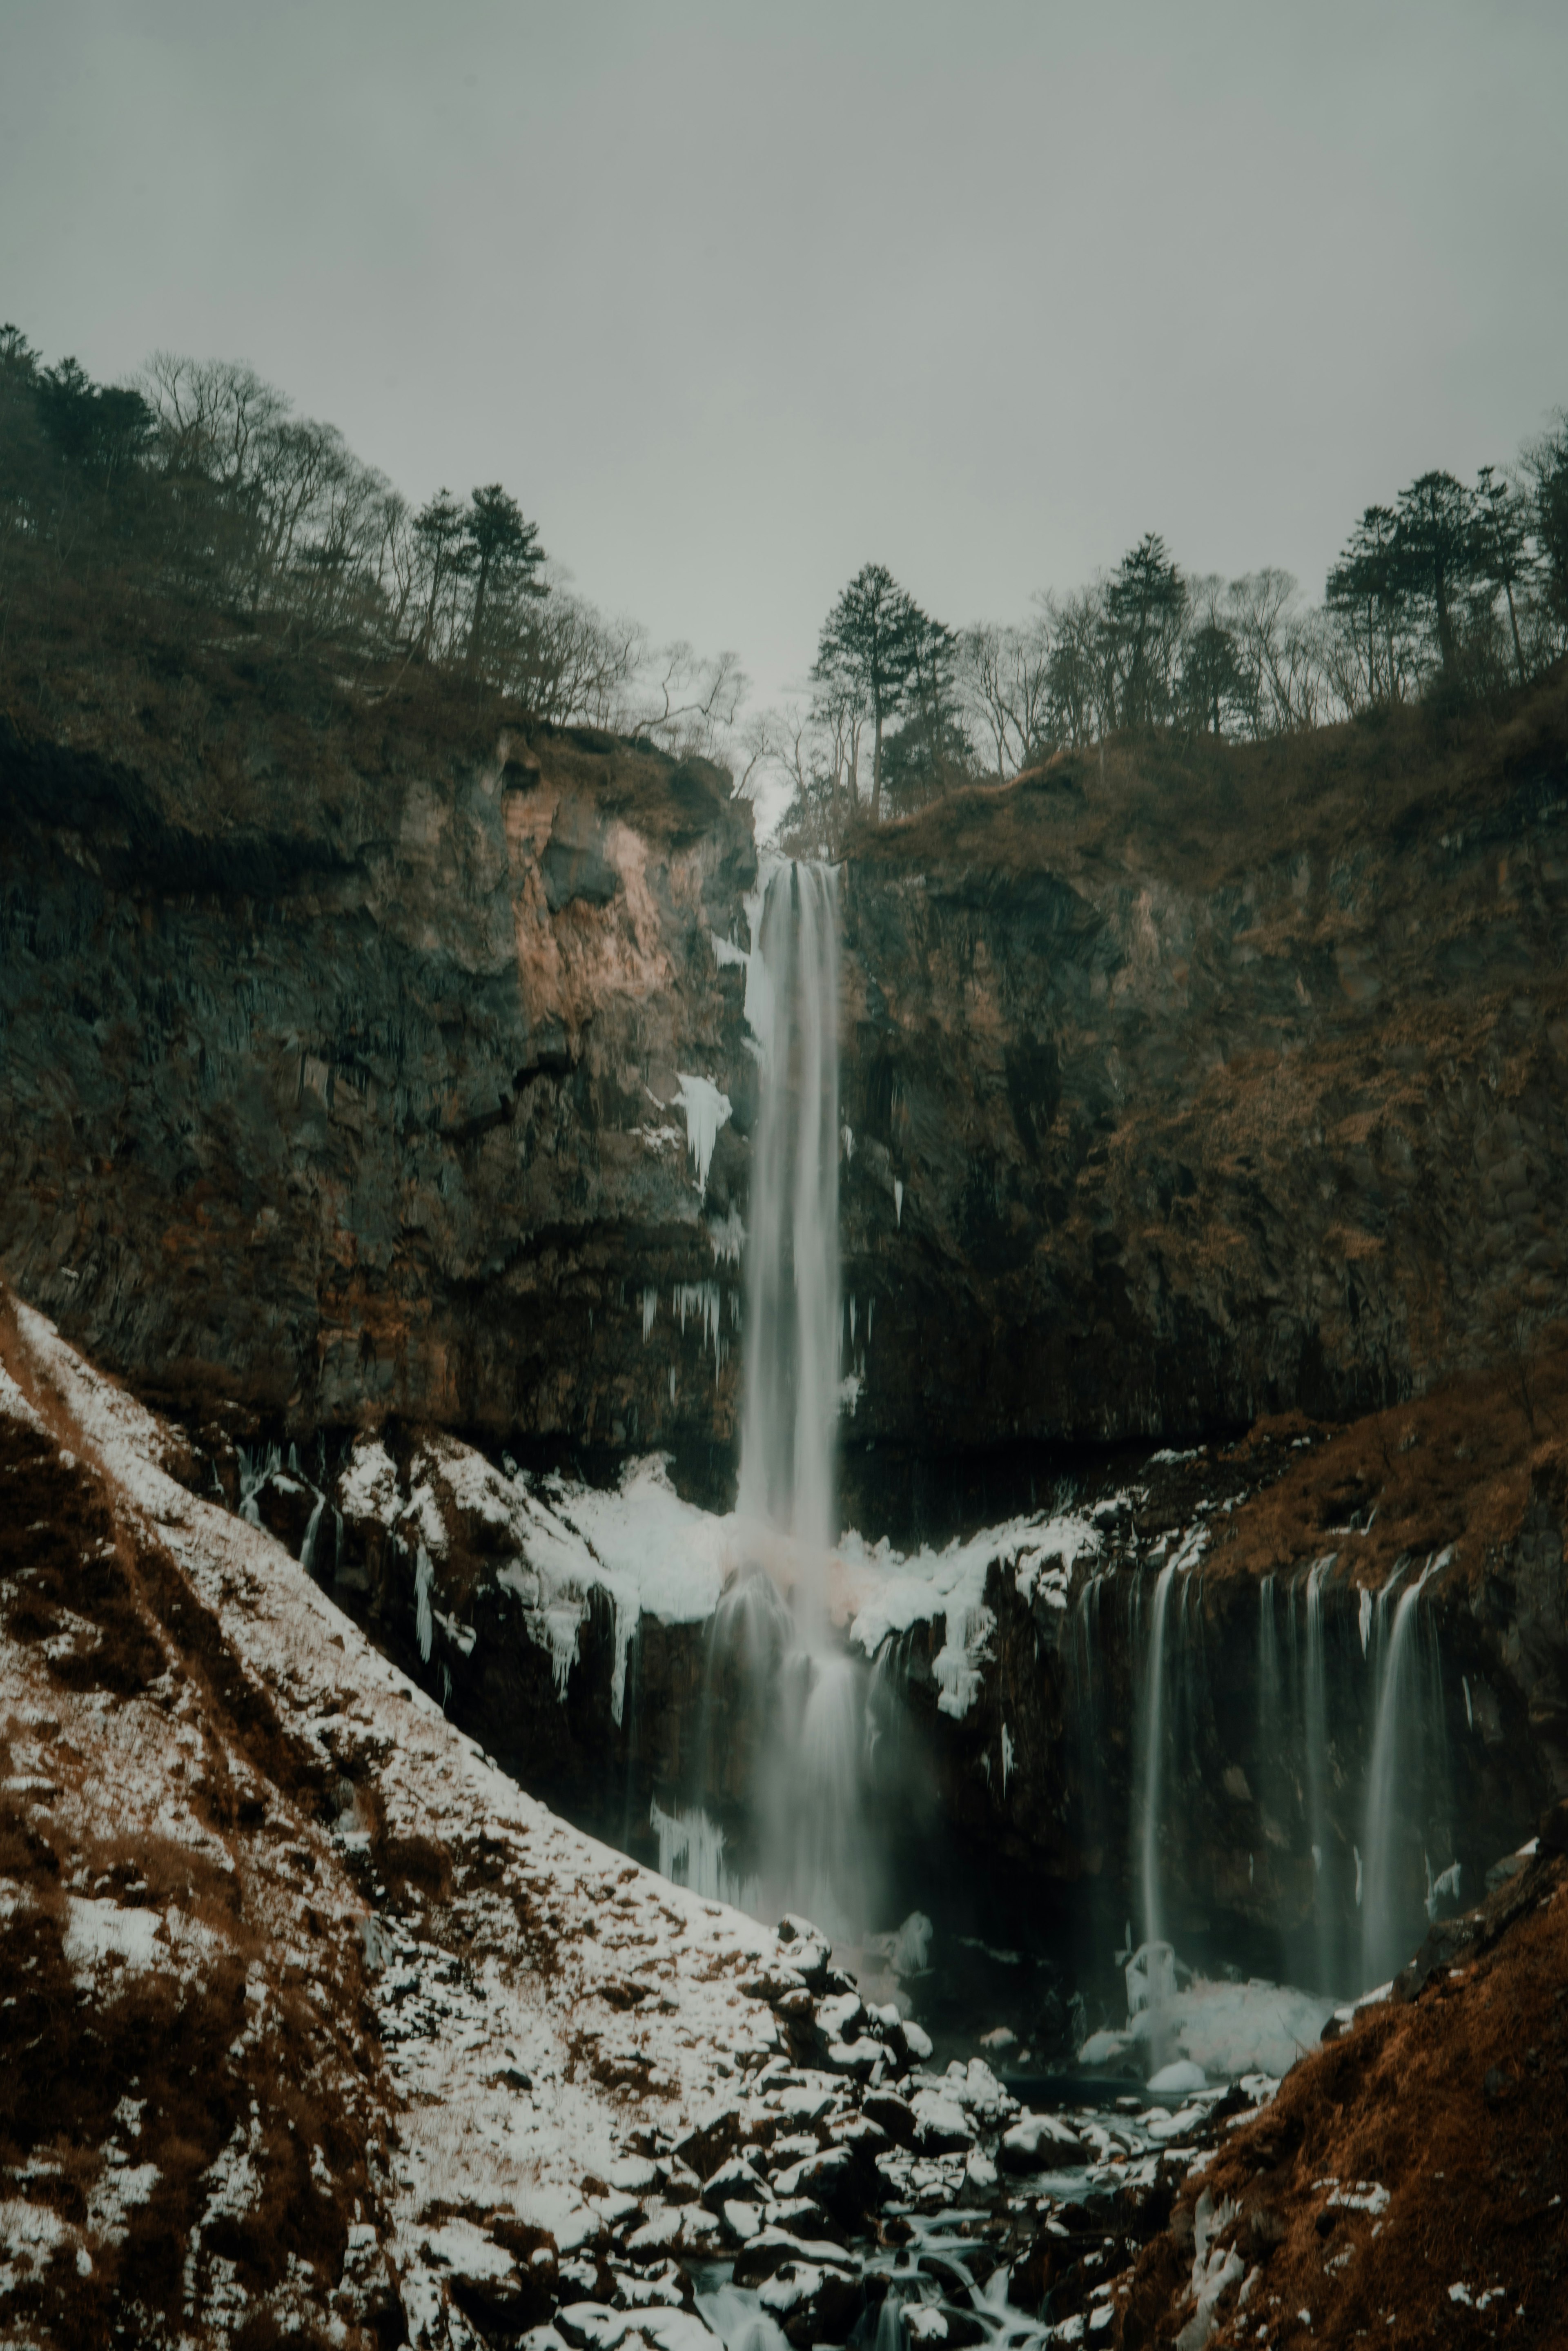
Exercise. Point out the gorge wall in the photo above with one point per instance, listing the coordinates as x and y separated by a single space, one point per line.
1166 1102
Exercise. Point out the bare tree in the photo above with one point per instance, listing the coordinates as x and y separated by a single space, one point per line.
1004 680
692 701
575 667
1279 653
1080 689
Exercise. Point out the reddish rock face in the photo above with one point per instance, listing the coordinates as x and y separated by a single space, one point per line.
380 1115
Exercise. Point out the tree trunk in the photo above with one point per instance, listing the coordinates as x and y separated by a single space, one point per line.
1445 623
1514 624
477 623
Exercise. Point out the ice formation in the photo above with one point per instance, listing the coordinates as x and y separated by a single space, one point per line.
706 1111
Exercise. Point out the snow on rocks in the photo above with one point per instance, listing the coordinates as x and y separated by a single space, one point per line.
889 1593
541 1545
1040 2143
543 2009
509 2084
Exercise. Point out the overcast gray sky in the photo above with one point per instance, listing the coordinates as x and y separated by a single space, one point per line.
735 298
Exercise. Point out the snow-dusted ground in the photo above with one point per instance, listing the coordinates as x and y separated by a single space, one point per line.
549 2078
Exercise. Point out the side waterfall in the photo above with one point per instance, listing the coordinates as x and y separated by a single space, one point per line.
1154 1711
1315 1717
1345 1761
1406 1780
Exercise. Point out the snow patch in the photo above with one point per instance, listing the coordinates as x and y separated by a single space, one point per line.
895 1591
98 1931
368 1489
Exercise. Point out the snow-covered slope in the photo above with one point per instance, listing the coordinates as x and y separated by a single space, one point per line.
223 1809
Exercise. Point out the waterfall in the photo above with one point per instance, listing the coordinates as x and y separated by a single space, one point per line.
1314 1711
1153 1757
783 1682
1085 1663
793 1252
1406 1773
1267 1675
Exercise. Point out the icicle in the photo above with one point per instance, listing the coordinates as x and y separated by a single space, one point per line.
706 1111
898 1203
627 1613
650 1308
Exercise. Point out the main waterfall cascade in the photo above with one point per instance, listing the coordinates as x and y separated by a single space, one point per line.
791 1400
770 1642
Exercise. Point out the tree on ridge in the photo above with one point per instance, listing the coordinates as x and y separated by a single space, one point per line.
871 643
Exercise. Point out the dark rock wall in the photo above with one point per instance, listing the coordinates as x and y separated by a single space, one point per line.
1170 1157
380 1118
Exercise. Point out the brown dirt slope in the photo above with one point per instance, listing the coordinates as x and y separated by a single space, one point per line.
1456 1469
1407 2187
188 2128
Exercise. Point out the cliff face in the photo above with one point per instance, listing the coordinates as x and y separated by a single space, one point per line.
1168 1101
379 1111
1156 1135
